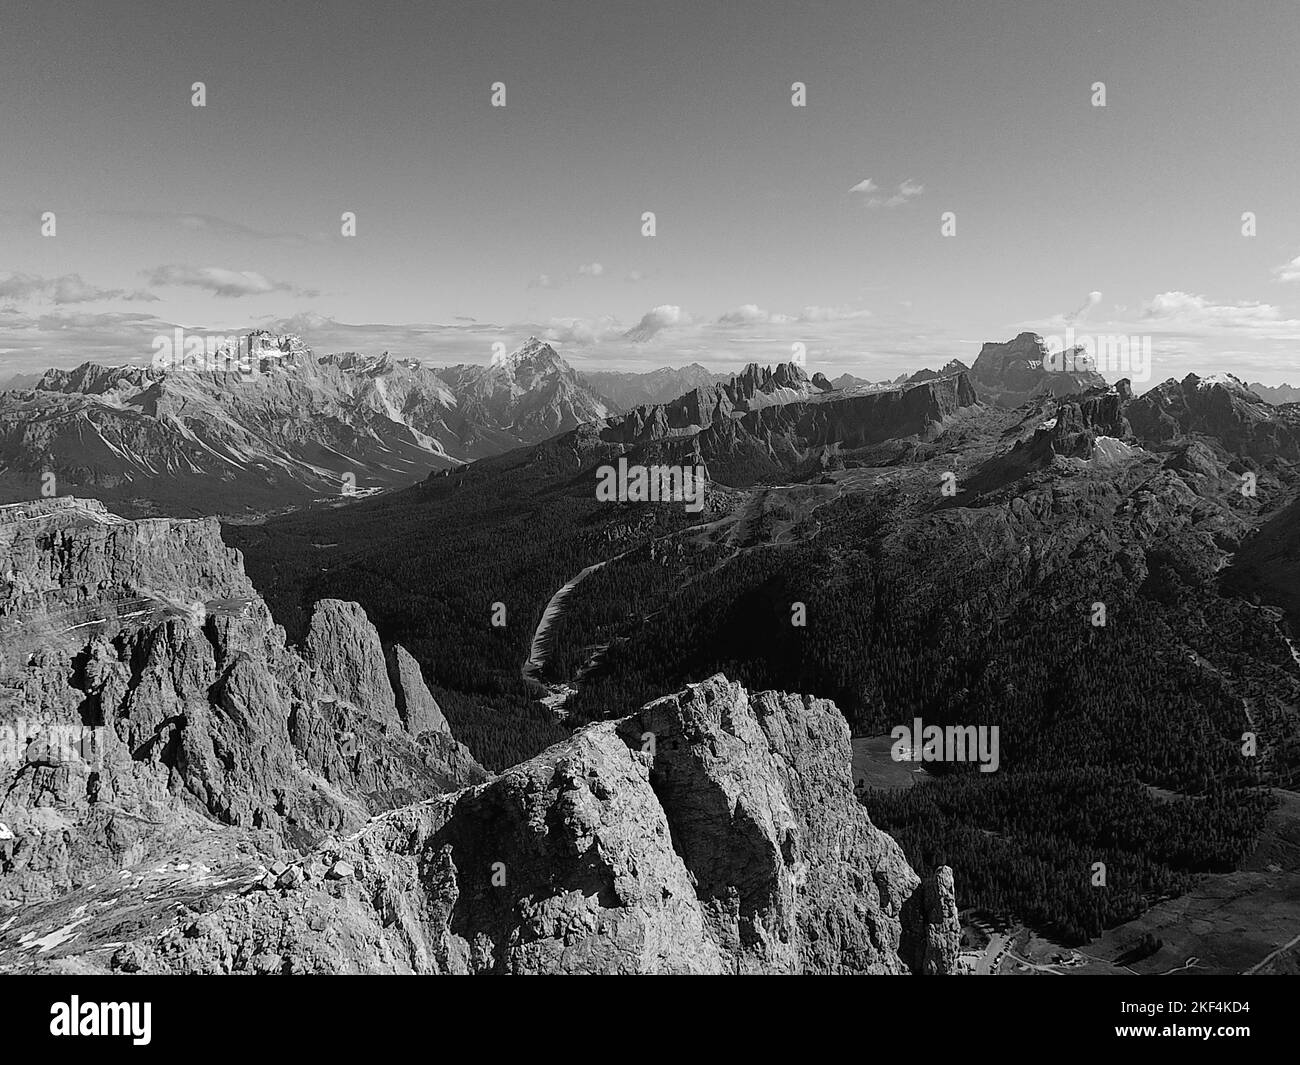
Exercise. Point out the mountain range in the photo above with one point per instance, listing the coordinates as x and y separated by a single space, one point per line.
629 390
306 428
922 551
487 649
301 428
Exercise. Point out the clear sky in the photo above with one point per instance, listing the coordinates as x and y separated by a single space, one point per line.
774 224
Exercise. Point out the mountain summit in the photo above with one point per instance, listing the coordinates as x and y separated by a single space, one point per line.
1012 373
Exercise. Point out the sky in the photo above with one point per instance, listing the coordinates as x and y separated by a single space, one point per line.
775 225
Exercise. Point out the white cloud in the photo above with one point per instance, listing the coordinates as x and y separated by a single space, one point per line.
220 281
581 331
831 314
67 289
665 316
747 314
905 191
1196 315
1082 310
1288 271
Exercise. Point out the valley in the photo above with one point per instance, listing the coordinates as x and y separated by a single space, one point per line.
972 607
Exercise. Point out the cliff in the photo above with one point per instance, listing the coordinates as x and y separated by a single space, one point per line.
248 807
147 639
1012 373
714 831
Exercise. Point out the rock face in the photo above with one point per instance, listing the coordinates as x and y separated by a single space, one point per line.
713 831
416 705
931 928
243 807
1081 420
154 694
1014 372
524 397
344 646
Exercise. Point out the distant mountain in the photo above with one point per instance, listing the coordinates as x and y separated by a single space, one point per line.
1013 373
752 388
523 398
847 380
19 380
1219 407
769 424
301 427
1276 394
658 386
954 366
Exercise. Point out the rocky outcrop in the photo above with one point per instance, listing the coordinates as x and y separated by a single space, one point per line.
66 554
416 705
713 831
931 927
344 646
155 695
1081 420
790 873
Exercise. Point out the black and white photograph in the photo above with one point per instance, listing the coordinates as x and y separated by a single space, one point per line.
691 488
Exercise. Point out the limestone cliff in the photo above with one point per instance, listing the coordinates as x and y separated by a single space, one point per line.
714 831
248 808
146 641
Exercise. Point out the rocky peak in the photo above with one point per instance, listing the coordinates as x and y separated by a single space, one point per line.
713 831
149 635
1080 420
535 355
949 369
1218 407
265 343
345 647
1012 373
92 379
